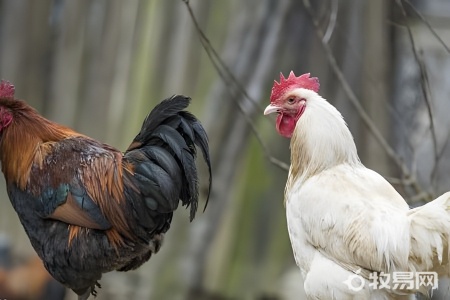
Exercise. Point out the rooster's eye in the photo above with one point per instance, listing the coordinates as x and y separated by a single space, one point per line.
291 100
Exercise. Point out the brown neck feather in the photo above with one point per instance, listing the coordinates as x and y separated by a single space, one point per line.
22 139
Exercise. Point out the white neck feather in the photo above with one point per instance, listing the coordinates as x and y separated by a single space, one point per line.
321 139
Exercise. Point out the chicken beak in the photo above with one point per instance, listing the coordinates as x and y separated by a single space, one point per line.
271 109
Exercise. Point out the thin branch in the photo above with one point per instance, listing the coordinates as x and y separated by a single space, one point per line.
399 181
230 80
438 159
362 113
424 80
425 21
420 197
332 21
213 55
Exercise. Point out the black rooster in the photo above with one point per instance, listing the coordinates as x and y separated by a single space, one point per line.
87 208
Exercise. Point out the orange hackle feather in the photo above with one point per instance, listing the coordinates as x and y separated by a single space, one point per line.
73 233
31 137
25 138
114 237
103 186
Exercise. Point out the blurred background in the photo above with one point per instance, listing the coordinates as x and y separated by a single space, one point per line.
99 66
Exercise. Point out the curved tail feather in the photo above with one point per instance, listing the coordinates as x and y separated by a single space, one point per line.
164 154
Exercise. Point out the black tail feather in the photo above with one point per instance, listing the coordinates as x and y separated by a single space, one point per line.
168 138
201 140
166 109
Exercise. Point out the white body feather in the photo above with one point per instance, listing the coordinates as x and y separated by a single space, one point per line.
344 219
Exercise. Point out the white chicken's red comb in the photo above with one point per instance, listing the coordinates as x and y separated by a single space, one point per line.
302 81
6 89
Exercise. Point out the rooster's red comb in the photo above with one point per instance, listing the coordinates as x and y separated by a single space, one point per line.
6 89
302 81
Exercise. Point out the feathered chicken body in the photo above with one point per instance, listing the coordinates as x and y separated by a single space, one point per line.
345 220
88 208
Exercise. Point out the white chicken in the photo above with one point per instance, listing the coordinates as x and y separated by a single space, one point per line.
352 234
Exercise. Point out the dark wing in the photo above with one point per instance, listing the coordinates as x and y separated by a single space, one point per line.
78 181
72 205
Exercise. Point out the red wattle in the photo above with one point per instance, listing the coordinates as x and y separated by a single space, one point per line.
286 125
286 122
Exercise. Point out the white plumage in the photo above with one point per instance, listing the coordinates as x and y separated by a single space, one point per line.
346 220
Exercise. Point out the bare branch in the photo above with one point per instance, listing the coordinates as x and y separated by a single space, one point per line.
423 77
332 21
438 159
419 197
362 113
217 60
425 21
229 79
399 181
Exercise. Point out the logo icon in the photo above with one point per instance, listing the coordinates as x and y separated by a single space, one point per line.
355 282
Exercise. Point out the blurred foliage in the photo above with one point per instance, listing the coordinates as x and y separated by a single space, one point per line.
99 66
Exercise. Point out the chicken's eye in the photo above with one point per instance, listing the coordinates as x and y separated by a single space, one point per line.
291 100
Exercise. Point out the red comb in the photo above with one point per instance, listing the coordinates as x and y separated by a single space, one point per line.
302 81
6 89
